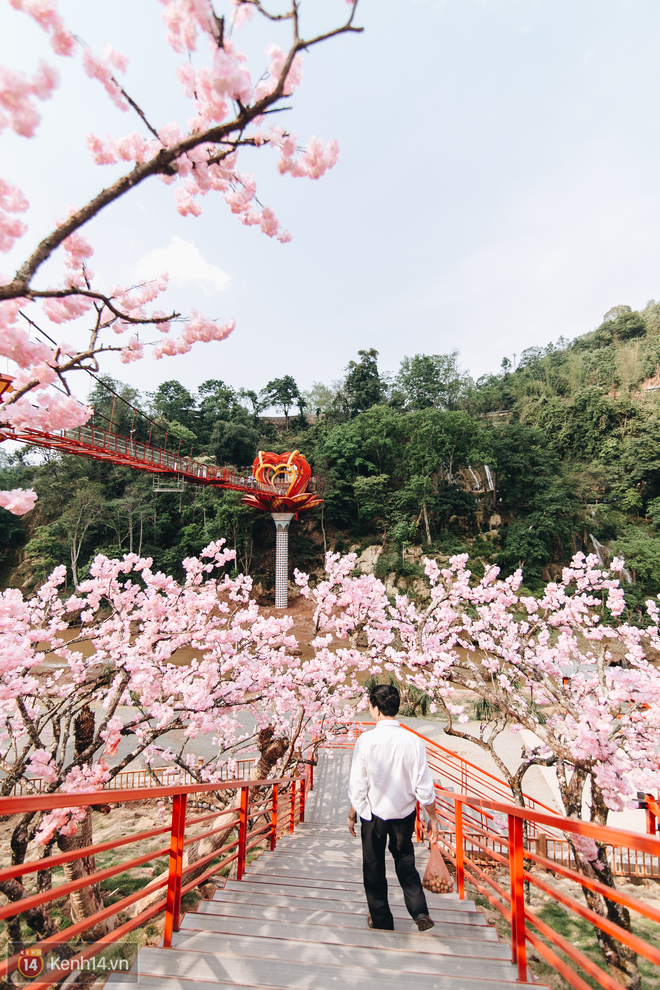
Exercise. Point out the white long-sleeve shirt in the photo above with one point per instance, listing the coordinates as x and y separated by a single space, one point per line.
389 773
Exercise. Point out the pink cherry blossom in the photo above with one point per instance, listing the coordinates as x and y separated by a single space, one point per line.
44 12
18 501
18 94
103 69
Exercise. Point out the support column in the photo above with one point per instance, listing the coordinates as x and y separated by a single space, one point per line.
281 520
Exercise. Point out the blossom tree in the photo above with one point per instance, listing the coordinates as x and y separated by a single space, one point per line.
130 689
232 110
564 666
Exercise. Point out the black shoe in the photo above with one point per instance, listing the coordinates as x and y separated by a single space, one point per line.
423 922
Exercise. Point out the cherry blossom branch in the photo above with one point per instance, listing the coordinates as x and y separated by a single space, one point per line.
163 163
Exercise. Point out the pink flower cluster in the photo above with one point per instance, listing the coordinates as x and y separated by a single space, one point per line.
103 69
18 501
12 201
313 163
269 83
198 328
18 94
44 12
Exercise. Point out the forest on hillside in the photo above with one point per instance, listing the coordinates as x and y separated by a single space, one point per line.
520 468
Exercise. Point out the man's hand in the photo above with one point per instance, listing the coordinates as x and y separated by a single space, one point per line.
352 819
433 822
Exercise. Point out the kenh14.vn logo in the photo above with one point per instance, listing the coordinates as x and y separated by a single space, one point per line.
30 962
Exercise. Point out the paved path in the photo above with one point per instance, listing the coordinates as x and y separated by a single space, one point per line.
328 802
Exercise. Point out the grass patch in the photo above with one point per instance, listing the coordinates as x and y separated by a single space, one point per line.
579 933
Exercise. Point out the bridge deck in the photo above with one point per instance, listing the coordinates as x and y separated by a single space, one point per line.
103 445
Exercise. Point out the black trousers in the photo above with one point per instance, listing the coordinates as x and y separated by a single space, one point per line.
375 834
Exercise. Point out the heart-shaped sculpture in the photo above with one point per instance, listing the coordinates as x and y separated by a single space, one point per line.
287 475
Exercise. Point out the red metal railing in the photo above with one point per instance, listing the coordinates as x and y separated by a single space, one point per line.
103 445
156 777
467 778
652 813
461 835
276 816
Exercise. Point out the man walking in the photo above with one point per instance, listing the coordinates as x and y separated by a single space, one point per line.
389 774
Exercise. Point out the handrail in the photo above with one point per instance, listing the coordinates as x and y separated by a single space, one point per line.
498 786
471 778
463 834
278 819
126 778
104 445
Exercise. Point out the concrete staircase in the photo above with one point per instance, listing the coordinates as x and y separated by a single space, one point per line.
298 920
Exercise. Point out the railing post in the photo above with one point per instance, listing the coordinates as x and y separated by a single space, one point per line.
460 873
273 820
173 904
651 824
303 786
292 822
418 823
242 832
516 868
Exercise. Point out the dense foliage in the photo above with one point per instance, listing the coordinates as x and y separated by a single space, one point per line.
570 438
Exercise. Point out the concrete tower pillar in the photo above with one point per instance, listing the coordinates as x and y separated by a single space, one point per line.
281 520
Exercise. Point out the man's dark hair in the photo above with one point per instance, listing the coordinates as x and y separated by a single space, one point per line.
386 698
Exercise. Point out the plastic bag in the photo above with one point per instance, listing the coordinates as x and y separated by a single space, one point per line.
437 878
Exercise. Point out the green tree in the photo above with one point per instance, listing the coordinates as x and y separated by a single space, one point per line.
363 384
372 496
642 556
216 402
282 392
431 381
82 513
369 444
174 403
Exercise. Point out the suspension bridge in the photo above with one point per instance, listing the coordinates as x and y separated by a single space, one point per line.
106 445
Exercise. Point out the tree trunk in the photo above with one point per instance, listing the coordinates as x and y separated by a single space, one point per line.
621 961
325 543
38 919
74 565
426 523
88 900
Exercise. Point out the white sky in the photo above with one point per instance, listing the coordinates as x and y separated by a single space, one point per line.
497 185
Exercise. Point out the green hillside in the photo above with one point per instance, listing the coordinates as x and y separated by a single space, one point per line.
521 468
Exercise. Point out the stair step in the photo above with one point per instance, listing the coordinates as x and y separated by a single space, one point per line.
306 929
284 949
321 872
118 980
295 887
276 898
191 968
345 919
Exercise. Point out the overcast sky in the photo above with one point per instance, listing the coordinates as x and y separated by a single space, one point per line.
497 185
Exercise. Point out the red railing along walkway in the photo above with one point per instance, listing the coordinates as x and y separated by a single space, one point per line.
103 445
